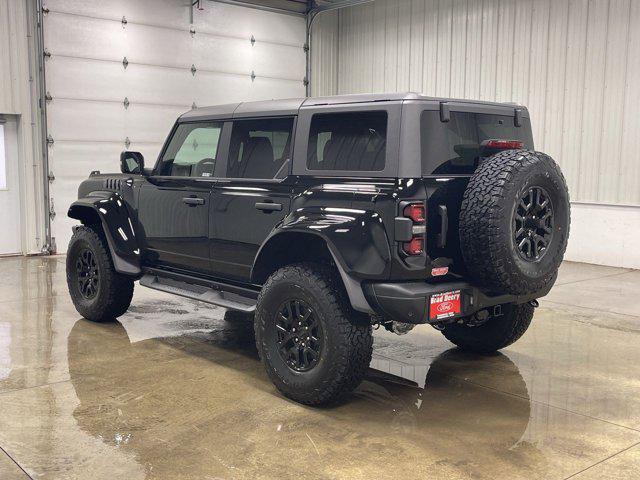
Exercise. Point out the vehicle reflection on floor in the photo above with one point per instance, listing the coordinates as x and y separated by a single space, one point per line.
407 399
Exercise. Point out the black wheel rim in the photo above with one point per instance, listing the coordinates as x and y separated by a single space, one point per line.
87 274
533 224
299 335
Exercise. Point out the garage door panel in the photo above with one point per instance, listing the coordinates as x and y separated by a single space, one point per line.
107 40
72 162
109 121
213 88
279 61
89 79
84 37
85 121
76 160
244 22
88 82
216 18
154 12
274 88
81 78
222 54
151 123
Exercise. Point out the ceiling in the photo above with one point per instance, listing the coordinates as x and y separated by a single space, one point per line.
301 7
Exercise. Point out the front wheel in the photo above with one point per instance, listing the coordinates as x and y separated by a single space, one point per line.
314 347
98 292
496 333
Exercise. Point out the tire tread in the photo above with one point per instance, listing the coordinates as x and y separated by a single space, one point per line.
117 288
354 354
484 207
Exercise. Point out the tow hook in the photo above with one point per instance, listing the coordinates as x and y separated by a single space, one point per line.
534 303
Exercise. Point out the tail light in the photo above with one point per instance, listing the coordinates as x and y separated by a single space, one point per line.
414 247
416 212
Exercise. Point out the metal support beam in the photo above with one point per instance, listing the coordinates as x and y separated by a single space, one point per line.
311 16
48 246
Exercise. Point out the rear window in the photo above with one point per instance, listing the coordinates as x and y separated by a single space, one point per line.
453 147
353 141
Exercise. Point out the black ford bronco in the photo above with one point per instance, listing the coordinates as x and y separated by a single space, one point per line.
319 218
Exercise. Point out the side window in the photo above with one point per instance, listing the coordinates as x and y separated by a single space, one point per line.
260 148
192 150
354 141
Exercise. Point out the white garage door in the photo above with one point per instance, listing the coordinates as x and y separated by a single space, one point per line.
119 73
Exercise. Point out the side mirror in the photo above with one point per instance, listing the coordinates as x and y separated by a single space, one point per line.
132 162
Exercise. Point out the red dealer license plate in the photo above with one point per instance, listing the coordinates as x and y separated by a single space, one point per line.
444 305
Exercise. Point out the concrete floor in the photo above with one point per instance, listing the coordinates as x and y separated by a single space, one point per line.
172 391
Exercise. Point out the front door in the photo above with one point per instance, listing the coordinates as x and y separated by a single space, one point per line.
174 203
9 187
253 196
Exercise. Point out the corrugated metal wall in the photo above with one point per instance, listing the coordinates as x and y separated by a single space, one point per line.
574 63
324 54
12 66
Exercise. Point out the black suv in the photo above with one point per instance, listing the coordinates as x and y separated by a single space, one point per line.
319 218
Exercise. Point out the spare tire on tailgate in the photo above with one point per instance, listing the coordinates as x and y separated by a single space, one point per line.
514 222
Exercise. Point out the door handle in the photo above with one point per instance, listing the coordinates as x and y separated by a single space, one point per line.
193 201
269 206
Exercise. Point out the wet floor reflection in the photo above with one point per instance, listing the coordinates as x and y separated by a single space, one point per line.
138 410
174 391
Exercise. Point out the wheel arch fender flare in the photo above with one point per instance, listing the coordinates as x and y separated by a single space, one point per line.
110 210
355 240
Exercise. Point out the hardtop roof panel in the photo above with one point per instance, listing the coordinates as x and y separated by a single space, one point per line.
290 106
268 108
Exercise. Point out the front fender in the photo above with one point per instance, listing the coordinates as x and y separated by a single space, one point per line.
356 238
113 214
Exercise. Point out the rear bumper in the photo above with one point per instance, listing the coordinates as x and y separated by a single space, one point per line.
410 302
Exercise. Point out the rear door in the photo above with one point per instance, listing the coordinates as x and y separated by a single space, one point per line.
253 195
174 204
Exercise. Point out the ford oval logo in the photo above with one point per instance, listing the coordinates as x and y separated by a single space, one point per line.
445 307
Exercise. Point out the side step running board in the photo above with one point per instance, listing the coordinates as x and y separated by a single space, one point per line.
232 301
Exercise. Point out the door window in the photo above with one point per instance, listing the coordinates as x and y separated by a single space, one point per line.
354 141
192 150
260 148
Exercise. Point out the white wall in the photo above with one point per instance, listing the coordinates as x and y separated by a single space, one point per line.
18 96
605 235
574 63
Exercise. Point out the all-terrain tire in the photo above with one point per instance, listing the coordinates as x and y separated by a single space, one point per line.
346 335
113 292
487 219
496 333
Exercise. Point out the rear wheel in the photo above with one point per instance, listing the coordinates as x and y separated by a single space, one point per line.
98 292
494 334
314 347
